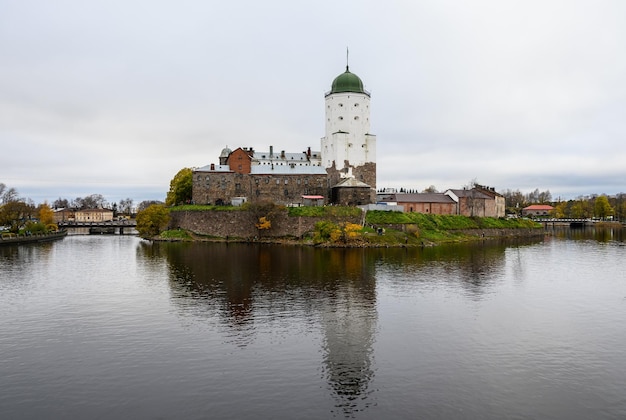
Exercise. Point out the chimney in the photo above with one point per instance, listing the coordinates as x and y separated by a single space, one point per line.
282 154
271 152
308 151
213 166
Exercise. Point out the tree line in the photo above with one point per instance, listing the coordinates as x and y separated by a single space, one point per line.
19 214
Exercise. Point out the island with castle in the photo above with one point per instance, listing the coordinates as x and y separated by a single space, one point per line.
342 172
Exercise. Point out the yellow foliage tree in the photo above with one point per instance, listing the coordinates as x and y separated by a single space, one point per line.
264 223
352 231
45 214
152 221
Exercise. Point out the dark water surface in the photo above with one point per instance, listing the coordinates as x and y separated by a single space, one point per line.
113 327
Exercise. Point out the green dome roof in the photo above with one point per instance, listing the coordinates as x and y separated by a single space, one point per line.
347 82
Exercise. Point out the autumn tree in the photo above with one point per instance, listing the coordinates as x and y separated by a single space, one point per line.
561 210
180 188
619 206
263 212
152 221
580 209
264 223
45 214
15 214
602 208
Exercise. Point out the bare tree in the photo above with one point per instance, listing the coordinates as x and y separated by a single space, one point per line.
147 203
7 194
60 203
93 201
126 206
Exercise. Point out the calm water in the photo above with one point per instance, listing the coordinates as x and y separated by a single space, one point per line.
113 327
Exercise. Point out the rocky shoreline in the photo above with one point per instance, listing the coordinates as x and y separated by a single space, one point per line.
461 236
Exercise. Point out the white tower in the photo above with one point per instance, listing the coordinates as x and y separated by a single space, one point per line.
348 148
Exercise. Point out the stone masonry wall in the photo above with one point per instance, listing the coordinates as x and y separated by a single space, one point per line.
221 187
241 224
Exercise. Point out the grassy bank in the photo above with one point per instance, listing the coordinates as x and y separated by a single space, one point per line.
429 229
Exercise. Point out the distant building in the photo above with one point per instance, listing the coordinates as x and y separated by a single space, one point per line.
478 202
342 172
93 215
63 215
537 210
428 203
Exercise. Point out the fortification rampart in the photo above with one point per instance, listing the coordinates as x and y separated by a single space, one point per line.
242 223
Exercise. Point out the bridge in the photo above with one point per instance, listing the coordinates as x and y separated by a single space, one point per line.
110 226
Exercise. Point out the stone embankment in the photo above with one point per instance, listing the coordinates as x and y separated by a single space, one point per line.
242 224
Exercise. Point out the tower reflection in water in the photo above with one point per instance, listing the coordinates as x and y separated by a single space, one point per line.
241 284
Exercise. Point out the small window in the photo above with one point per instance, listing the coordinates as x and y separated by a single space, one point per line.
356 117
356 104
340 105
340 118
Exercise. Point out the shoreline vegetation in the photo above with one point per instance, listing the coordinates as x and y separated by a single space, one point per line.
338 226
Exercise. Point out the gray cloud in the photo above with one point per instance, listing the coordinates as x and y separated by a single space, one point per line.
115 97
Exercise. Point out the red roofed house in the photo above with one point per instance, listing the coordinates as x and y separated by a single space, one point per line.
537 210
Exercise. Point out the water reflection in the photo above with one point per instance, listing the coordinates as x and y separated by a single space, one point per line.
476 265
16 262
600 234
243 285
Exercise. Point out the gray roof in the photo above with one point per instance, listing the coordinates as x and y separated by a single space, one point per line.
473 193
351 183
286 157
218 168
287 169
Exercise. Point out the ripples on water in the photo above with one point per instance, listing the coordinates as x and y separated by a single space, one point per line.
115 327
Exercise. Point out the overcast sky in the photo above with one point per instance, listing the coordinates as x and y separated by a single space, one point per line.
114 97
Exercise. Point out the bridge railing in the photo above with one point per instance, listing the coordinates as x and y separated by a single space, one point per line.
111 223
